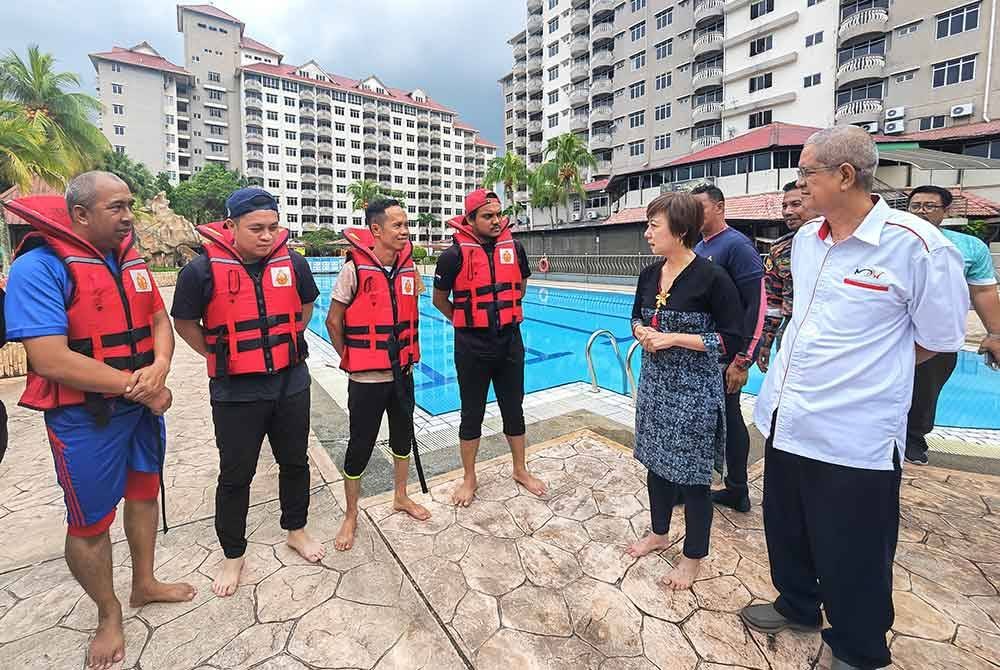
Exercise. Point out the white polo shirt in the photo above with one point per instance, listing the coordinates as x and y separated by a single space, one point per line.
843 378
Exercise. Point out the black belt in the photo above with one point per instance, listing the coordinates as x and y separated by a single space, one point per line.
254 324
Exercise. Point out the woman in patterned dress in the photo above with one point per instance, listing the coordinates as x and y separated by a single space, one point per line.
686 316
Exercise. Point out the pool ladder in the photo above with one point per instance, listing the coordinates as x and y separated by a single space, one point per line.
626 363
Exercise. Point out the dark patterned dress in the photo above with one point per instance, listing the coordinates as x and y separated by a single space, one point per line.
680 424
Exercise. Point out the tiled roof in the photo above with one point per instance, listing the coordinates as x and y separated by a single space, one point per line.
967 203
485 143
209 10
759 207
130 57
598 185
250 43
955 132
773 135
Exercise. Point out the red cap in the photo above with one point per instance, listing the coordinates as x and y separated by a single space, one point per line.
478 198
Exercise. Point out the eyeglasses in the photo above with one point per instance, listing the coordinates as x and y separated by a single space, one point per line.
924 207
806 172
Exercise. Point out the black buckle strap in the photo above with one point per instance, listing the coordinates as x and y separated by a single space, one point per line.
140 360
255 324
355 330
133 336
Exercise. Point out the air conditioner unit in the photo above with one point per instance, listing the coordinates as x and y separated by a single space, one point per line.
591 215
870 127
576 216
895 113
958 111
893 127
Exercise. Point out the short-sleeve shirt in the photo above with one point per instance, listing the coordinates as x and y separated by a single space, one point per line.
39 290
486 343
978 263
192 294
343 292
842 382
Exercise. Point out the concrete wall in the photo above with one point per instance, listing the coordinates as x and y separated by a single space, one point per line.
144 99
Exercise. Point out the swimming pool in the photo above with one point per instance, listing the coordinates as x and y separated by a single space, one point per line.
558 323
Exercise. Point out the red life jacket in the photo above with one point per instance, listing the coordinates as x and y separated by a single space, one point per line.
384 305
487 291
110 314
251 322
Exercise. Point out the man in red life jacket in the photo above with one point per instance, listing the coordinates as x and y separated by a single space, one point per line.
82 301
478 286
375 302
244 306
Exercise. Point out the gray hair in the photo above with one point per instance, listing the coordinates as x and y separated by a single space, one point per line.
82 189
847 144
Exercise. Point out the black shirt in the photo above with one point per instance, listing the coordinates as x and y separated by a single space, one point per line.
483 342
191 296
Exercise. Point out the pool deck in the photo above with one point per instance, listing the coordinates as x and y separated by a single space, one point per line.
512 582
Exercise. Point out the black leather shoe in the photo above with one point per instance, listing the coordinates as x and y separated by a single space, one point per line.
736 499
766 619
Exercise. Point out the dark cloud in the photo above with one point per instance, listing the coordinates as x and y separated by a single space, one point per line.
454 49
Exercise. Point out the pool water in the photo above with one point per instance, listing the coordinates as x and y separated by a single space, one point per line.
558 323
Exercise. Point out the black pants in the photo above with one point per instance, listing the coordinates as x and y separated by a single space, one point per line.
928 380
474 377
3 431
737 444
240 428
698 511
366 404
831 537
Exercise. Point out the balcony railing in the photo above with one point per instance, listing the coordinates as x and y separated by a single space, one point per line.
875 18
859 107
706 8
705 142
706 76
868 63
708 42
602 58
579 19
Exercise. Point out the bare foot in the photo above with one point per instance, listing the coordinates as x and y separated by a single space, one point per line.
464 494
530 482
682 576
228 578
345 536
161 592
648 544
307 548
108 645
406 504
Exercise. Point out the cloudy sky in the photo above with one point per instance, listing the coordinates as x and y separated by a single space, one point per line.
455 49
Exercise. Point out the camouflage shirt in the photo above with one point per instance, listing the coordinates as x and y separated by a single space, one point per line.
778 286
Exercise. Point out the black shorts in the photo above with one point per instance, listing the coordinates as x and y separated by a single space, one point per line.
506 372
366 403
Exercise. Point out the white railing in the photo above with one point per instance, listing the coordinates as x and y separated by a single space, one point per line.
861 63
708 40
706 74
705 142
707 109
864 17
856 107
704 6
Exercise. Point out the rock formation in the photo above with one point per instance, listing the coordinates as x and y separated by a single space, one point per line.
165 239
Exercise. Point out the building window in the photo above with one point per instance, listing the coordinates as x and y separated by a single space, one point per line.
662 142
215 77
553 120
274 183
958 20
116 89
289 118
553 3
761 44
553 49
664 49
272 132
814 39
760 8
760 82
664 18
116 67
637 148
810 3
907 76
294 185
273 149
215 112
271 98
663 80
638 60
638 31
637 5
636 90
553 25
637 119
215 95
662 112
907 30
954 71
119 149
118 109
932 122
553 97
811 80
758 119
553 73
119 130
274 167
291 151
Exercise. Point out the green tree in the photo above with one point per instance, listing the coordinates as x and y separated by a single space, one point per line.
509 170
365 191
203 197
317 242
23 155
162 183
545 192
138 177
65 118
427 222
419 254
566 156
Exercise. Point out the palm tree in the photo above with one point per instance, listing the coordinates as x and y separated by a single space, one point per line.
23 155
66 119
546 193
427 222
565 156
508 169
365 191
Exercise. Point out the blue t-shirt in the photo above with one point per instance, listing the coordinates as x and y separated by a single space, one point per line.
733 251
979 269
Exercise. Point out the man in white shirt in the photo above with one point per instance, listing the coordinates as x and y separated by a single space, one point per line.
876 291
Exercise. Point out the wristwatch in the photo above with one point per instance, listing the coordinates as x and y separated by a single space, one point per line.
742 361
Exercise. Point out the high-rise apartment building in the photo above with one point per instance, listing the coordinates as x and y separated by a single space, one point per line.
648 81
299 131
